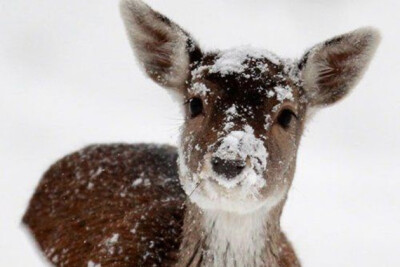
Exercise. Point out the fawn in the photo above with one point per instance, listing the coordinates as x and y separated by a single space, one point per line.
218 198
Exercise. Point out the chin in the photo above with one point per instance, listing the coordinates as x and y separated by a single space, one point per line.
241 196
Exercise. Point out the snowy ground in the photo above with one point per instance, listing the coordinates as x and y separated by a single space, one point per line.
68 79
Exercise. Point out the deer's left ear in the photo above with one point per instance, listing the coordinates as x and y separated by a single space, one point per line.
331 69
164 50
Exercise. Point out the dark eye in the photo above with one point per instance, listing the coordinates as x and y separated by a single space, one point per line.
195 106
285 118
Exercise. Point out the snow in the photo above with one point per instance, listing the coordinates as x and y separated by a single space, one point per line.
234 60
268 122
231 112
244 144
113 239
134 229
228 126
199 89
93 264
197 72
54 259
90 186
283 93
95 173
270 93
137 182
110 242
68 79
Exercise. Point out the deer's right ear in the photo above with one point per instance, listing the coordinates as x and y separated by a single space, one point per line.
164 50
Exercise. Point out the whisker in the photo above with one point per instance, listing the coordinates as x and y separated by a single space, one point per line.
196 186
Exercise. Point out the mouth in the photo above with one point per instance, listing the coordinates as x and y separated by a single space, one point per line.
226 183
245 186
243 194
248 177
238 196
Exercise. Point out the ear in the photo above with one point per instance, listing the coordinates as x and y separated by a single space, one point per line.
331 69
164 50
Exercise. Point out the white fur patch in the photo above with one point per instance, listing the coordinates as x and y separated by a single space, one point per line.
209 197
236 240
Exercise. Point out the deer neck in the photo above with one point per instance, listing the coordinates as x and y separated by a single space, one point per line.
219 238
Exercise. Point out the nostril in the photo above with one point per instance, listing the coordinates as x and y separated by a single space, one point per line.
227 168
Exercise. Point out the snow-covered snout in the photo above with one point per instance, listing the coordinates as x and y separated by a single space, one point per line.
237 154
238 159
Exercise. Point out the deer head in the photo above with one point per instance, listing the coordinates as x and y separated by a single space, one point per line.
245 109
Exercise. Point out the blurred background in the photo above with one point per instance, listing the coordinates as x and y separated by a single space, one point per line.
68 78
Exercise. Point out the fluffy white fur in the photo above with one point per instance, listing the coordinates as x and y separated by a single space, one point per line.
230 245
209 198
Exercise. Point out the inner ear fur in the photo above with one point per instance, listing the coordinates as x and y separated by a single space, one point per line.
164 50
331 69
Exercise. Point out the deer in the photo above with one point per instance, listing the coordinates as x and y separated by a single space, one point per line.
216 199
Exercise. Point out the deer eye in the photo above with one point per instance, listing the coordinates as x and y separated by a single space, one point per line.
195 106
285 117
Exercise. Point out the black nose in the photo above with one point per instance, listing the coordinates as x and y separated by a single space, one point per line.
227 168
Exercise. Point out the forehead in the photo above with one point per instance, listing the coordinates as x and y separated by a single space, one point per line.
244 73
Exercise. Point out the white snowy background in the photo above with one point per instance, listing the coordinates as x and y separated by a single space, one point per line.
68 78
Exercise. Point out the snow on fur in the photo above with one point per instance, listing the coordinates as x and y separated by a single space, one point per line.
234 60
283 93
199 89
243 145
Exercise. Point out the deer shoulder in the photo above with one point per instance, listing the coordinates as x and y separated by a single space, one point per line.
110 205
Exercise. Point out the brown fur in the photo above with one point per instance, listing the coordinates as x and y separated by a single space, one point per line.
87 197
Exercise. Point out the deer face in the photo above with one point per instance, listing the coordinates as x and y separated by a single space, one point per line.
243 122
244 108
